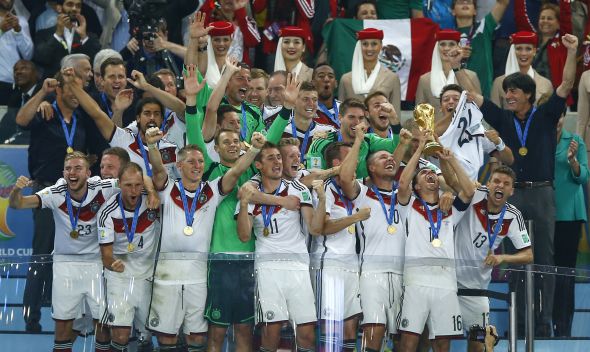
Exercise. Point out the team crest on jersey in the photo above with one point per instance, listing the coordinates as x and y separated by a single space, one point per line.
405 323
152 214
154 321
94 206
165 156
203 198
270 315
216 314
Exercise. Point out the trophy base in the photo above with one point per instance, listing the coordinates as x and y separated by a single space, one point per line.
431 148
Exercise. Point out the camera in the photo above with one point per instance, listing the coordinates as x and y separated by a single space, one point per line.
144 16
477 333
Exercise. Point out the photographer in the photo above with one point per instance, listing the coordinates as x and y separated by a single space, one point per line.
488 336
149 50
68 36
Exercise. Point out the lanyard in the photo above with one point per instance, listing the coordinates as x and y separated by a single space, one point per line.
129 233
244 126
496 230
148 168
305 137
103 97
388 215
189 214
435 230
325 110
267 213
522 136
74 218
69 134
346 201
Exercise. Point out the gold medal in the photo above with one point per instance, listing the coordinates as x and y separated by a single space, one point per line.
490 252
188 230
351 229
391 229
70 150
266 232
74 234
130 247
523 151
436 243
301 166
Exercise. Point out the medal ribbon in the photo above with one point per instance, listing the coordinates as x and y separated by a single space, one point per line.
129 233
522 136
435 230
388 215
492 235
325 110
243 126
346 201
148 168
69 134
103 97
267 214
74 218
189 214
303 146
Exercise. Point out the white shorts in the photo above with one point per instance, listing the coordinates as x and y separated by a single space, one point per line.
127 299
437 307
84 324
474 311
73 284
284 295
337 293
174 306
381 299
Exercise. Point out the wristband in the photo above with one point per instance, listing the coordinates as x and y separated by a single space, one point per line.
500 146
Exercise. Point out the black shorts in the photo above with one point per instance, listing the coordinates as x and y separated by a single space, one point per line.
230 291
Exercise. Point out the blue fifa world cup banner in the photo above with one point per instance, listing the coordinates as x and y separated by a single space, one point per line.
16 226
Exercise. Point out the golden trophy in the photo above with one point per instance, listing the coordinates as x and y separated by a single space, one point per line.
424 117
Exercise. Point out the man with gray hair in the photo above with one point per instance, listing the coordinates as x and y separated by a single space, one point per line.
81 65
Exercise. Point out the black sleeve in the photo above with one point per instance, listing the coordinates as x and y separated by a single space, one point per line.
553 108
459 205
492 114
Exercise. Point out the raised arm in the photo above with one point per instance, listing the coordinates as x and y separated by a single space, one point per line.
197 31
26 113
315 219
244 219
465 185
230 179
499 9
404 190
505 155
332 226
257 197
105 125
168 100
16 199
463 79
569 70
153 135
348 167
210 122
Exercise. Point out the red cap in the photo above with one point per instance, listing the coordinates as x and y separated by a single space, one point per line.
292 31
448 34
221 28
369 33
524 37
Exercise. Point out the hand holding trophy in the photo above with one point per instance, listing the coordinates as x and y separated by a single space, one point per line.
424 117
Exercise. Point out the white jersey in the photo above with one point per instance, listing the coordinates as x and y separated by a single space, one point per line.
381 251
465 137
174 129
472 241
183 258
139 263
284 247
426 265
270 111
339 249
128 140
54 197
315 127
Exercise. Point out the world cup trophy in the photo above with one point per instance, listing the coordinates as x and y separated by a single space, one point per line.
424 117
